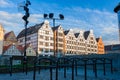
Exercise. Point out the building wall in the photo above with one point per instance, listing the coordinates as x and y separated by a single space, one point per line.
59 40
70 45
45 39
11 38
91 44
1 39
100 46
31 39
30 51
12 50
80 44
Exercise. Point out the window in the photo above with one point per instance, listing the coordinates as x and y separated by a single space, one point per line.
46 44
21 40
60 34
46 38
28 38
46 32
91 38
60 40
41 36
51 44
46 26
40 43
51 38
60 45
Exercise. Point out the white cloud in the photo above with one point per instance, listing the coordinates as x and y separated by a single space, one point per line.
13 21
103 23
6 3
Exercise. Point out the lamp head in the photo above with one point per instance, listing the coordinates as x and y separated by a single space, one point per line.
51 15
61 16
45 15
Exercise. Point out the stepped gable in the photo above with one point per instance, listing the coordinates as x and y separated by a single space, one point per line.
30 30
66 32
86 34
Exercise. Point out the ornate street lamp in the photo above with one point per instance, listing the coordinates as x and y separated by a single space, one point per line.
25 17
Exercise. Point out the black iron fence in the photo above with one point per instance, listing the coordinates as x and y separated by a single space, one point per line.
66 62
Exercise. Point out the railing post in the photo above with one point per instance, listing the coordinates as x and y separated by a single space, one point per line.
76 67
57 69
73 69
65 68
39 67
11 66
50 70
104 70
34 71
111 63
95 68
85 69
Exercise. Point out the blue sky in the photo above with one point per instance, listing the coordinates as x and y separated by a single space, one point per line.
79 15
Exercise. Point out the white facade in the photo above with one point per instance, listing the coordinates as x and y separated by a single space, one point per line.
41 40
91 44
70 41
80 43
45 39
12 51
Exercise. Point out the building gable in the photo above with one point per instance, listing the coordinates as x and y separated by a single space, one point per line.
10 36
30 51
12 50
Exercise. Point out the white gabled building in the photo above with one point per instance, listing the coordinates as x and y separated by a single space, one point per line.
40 37
13 50
80 43
91 44
70 42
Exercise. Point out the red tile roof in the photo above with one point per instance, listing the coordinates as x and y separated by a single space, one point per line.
7 34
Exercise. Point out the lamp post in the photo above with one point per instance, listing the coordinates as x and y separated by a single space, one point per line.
25 17
51 16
